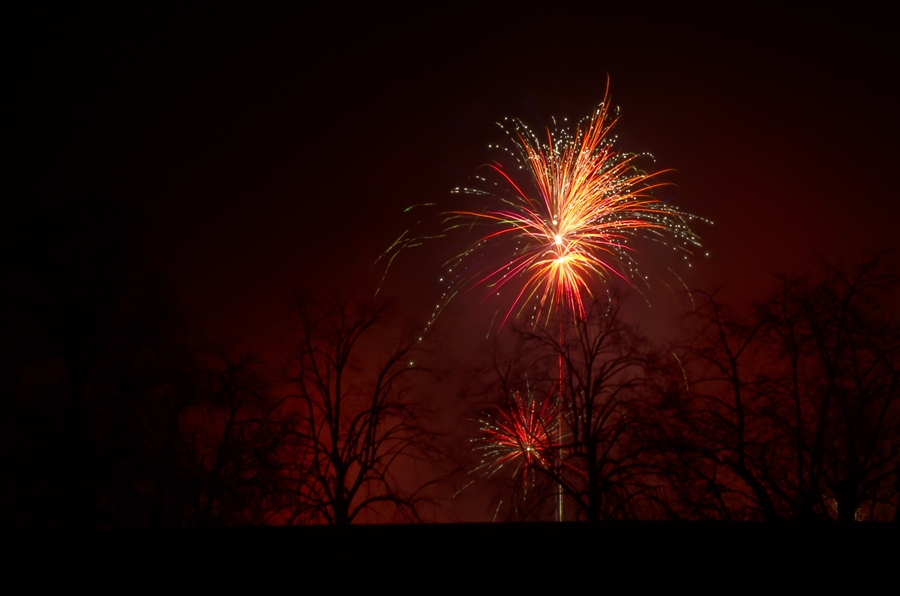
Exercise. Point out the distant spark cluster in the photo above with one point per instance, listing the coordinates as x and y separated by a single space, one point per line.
520 435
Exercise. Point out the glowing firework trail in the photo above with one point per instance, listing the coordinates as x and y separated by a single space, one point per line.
522 434
572 223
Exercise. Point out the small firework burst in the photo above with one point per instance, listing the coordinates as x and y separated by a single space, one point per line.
521 434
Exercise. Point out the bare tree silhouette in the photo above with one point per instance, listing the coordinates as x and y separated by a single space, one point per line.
236 439
791 410
595 368
96 374
834 391
116 415
359 424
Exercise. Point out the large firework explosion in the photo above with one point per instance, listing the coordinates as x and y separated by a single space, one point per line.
563 212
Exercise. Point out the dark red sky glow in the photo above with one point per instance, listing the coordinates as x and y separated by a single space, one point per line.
269 149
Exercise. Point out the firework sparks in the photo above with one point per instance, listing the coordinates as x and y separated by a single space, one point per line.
522 434
573 222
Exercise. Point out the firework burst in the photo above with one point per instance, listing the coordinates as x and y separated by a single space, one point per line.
520 435
572 220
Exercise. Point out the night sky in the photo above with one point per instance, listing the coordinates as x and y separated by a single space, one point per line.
267 150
